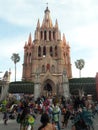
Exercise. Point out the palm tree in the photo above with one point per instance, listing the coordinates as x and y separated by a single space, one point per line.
15 58
80 65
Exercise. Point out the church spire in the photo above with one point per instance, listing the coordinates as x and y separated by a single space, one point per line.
64 39
38 24
47 22
30 39
56 24
25 46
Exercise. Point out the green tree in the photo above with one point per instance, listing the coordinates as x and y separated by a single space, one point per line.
80 65
15 58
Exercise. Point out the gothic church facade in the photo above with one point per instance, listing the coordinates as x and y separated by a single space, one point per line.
47 60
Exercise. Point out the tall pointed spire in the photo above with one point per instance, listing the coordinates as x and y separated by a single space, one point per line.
30 39
64 39
25 46
56 24
47 22
38 24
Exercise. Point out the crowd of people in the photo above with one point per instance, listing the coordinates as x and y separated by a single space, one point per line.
55 112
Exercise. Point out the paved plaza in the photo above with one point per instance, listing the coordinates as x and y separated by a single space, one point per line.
12 124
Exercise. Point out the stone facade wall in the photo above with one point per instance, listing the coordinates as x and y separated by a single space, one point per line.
47 56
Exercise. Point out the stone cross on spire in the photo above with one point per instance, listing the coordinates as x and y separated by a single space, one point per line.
47 4
47 22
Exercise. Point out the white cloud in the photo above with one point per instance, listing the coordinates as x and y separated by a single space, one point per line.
10 46
85 45
23 12
18 12
77 19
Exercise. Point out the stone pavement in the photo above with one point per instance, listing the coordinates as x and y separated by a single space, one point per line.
12 124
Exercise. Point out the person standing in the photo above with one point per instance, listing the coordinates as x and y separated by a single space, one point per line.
66 115
56 115
46 125
5 117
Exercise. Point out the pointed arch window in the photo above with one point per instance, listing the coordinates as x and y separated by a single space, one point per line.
39 51
51 51
53 68
30 58
41 35
45 35
27 57
44 51
54 35
56 53
43 68
50 35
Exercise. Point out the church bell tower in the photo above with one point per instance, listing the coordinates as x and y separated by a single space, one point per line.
46 58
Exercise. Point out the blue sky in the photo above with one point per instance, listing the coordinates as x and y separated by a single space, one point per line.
77 19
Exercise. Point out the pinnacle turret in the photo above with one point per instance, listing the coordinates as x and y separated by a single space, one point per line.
64 39
38 24
25 45
30 39
56 24
47 22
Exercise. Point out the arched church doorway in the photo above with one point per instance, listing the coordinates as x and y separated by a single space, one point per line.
48 88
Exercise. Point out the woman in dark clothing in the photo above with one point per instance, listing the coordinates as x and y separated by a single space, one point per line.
5 117
66 115
23 117
83 120
45 123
